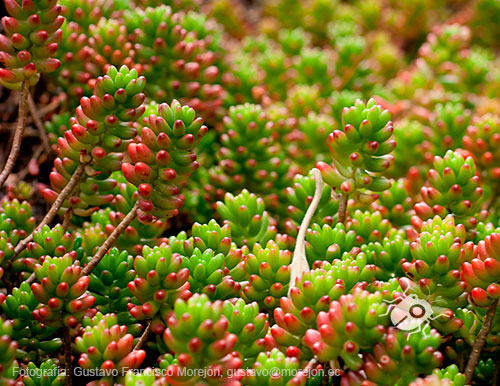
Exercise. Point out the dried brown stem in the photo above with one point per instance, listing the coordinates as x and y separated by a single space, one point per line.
38 123
67 219
50 107
310 365
479 343
67 355
342 209
496 372
144 337
111 240
18 135
325 379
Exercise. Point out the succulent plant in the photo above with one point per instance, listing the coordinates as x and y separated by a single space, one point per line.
46 374
137 233
313 293
166 151
396 204
269 275
298 198
110 45
453 187
250 326
198 332
327 243
388 255
355 322
361 151
417 351
148 377
247 218
480 140
56 127
160 280
53 242
451 122
190 69
16 219
273 367
108 284
34 339
368 226
61 291
107 346
208 275
8 352
249 156
185 202
438 252
452 373
313 66
98 136
32 32
484 370
482 272
86 13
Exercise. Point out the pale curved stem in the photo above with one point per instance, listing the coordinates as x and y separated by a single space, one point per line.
299 263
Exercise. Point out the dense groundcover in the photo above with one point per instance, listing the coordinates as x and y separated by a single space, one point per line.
273 192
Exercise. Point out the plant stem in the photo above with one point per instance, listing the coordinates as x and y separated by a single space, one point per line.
67 219
144 337
18 135
310 365
67 355
496 371
75 178
38 123
111 240
479 343
342 209
299 263
325 379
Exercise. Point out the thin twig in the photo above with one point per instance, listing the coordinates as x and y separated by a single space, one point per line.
479 343
325 379
50 107
144 337
67 355
75 178
38 124
496 372
31 279
111 240
310 365
18 135
7 283
67 219
7 126
342 209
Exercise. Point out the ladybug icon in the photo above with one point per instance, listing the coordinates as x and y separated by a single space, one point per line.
410 313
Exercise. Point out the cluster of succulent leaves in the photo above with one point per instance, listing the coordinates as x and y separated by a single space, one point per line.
196 124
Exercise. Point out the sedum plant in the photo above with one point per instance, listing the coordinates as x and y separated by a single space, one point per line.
361 152
209 193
